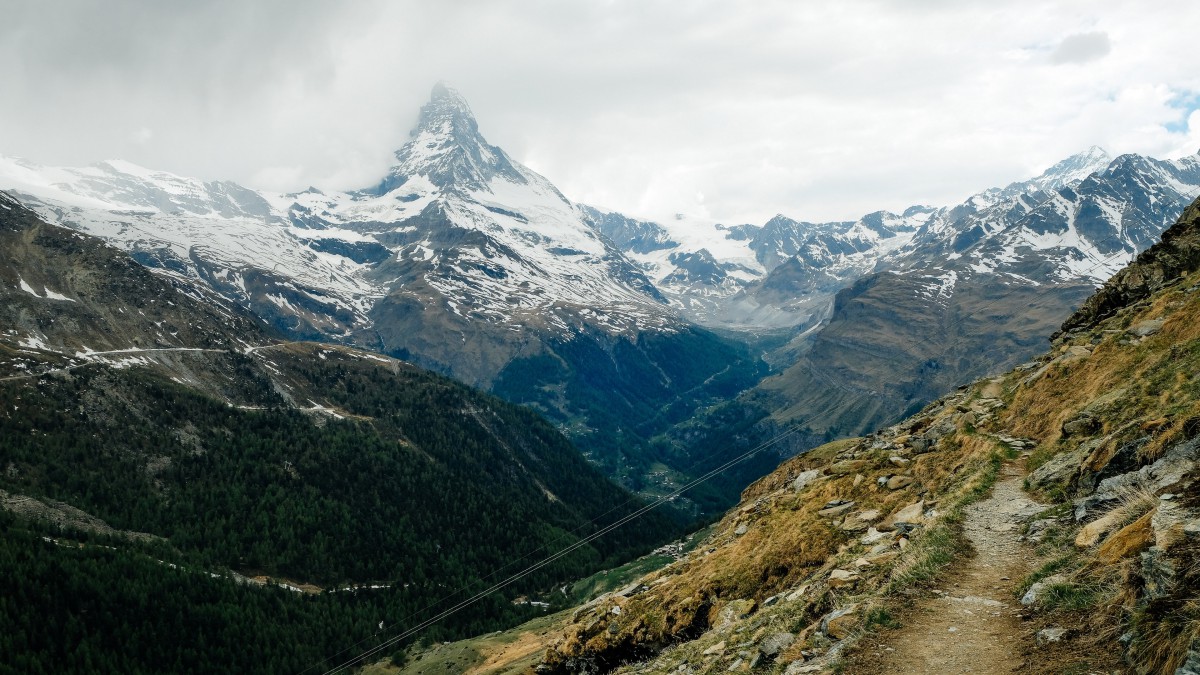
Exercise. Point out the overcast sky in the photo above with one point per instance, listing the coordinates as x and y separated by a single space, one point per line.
731 110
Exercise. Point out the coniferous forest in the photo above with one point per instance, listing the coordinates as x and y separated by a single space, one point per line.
415 483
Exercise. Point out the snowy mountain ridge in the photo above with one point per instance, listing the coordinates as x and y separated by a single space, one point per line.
330 257
784 273
1083 230
458 225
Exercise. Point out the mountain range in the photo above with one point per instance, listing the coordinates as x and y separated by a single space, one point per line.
625 332
1043 521
374 396
459 259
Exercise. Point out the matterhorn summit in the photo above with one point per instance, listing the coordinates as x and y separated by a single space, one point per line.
447 149
456 237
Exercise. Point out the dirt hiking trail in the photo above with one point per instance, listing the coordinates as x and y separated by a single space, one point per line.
971 623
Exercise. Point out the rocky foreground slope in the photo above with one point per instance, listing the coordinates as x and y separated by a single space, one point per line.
830 556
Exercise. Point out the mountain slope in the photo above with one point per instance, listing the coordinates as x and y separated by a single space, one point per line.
140 407
828 556
973 293
460 260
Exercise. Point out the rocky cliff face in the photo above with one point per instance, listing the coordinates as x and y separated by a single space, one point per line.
977 289
1177 254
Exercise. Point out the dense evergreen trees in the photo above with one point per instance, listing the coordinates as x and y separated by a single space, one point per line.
103 606
417 482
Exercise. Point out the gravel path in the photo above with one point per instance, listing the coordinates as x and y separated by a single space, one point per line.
972 623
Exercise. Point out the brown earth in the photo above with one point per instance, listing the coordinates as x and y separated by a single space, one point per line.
973 624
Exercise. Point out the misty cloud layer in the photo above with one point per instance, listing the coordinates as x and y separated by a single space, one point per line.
732 110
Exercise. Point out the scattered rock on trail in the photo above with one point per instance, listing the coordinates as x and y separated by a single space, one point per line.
1049 635
1034 594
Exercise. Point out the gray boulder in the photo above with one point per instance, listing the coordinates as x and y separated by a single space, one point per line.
1146 328
1082 425
773 644
1191 666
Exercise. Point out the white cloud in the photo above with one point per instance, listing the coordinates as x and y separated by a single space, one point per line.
1082 47
817 110
142 136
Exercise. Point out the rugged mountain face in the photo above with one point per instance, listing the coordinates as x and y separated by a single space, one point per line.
133 409
460 260
872 542
781 274
784 273
975 289
456 228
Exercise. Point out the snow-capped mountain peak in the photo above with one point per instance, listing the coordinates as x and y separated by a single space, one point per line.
1073 168
447 149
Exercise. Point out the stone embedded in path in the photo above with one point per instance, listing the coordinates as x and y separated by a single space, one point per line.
976 600
1049 635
